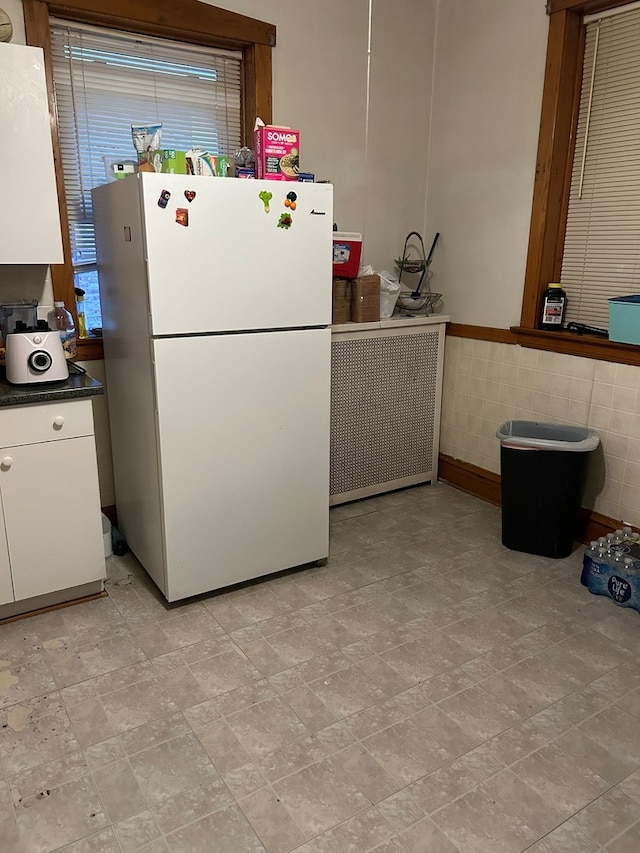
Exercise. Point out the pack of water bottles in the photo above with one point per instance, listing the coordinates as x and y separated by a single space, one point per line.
611 567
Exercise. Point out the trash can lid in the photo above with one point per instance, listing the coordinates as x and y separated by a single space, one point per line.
544 436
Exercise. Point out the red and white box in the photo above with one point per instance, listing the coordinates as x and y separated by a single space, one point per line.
277 152
347 248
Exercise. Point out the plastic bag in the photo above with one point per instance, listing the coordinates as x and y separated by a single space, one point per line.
389 292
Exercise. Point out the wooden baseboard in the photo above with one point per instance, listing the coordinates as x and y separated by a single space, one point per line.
51 607
481 333
485 484
470 478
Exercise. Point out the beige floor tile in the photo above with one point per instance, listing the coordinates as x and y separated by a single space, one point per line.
229 827
570 838
154 733
482 761
401 810
90 722
222 746
119 790
477 822
266 726
443 786
137 831
244 780
183 687
291 758
100 842
192 806
537 813
23 677
406 752
226 671
271 821
608 816
368 775
479 713
517 742
309 708
631 786
347 691
425 837
559 779
56 804
319 797
366 831
446 731
488 683
426 657
618 733
611 764
34 732
72 663
628 842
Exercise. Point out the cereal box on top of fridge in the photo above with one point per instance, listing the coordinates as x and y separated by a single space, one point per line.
277 152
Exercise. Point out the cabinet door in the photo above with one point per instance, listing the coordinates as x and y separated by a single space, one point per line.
29 216
52 515
6 586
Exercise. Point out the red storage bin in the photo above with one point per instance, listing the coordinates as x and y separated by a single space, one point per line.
347 249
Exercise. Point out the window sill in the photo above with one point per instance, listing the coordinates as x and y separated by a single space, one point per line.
90 349
585 346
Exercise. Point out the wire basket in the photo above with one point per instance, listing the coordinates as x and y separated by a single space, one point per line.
420 298
429 303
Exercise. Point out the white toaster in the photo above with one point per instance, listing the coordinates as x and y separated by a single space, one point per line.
35 355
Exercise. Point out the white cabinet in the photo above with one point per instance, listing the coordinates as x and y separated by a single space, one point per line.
29 213
51 523
386 388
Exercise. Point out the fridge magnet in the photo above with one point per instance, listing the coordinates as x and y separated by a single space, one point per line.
182 216
265 197
189 195
163 201
291 201
285 221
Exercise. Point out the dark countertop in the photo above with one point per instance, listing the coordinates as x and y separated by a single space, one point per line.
77 385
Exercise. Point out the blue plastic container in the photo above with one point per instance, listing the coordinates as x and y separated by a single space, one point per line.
624 319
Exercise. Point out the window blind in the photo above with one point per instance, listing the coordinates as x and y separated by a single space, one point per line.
106 80
601 255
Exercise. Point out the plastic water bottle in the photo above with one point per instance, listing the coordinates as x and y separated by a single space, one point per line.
61 320
590 555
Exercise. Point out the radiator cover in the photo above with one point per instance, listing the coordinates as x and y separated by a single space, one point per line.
385 409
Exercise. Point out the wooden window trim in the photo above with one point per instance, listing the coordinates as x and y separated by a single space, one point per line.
182 20
556 142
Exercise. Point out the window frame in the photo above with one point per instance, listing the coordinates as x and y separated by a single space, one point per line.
556 143
182 20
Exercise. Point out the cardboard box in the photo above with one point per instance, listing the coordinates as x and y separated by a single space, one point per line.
277 152
624 319
365 299
341 309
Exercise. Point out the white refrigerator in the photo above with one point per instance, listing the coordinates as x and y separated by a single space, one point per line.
216 305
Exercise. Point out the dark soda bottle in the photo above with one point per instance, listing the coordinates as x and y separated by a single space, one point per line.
554 304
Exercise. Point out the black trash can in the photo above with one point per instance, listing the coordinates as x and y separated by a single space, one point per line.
543 469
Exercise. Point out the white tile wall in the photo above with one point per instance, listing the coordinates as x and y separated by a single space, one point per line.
487 383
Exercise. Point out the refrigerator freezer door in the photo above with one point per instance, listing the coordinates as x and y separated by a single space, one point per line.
243 428
225 259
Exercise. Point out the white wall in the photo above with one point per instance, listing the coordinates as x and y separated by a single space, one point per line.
363 115
489 72
364 126
486 111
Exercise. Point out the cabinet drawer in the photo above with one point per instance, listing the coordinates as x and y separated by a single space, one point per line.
45 422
